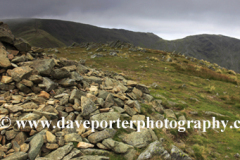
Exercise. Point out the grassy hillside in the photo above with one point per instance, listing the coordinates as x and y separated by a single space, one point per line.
219 49
183 85
222 50
69 32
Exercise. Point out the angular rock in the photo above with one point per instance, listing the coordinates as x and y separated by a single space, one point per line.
44 67
67 82
129 110
6 35
139 118
35 146
74 153
77 77
20 138
148 97
76 94
109 102
82 69
50 85
27 83
20 73
60 73
154 149
50 137
60 152
103 94
137 92
73 137
142 88
84 145
11 134
23 88
30 105
52 146
19 59
17 156
157 105
99 136
91 158
30 117
44 95
115 146
177 154
88 106
92 79
91 151
170 114
139 139
22 45
6 79
36 78
24 147
4 111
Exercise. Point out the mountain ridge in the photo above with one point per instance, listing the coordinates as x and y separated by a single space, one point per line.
219 49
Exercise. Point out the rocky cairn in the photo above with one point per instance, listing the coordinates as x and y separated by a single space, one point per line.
36 86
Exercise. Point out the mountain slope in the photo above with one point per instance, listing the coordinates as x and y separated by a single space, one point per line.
219 49
222 50
69 32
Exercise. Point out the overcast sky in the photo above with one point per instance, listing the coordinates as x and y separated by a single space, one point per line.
169 19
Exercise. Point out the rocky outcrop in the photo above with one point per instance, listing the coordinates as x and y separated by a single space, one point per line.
36 86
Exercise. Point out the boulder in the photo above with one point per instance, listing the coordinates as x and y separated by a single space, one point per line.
60 73
20 73
6 35
44 67
22 45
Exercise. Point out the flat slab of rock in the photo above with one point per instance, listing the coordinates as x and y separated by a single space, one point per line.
99 136
84 145
35 146
17 156
108 116
60 152
91 158
115 146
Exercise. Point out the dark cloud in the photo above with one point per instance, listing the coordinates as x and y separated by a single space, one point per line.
167 18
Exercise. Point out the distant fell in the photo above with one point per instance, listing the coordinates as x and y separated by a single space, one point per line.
47 33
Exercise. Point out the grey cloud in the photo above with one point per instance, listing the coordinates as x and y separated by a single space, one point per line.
166 18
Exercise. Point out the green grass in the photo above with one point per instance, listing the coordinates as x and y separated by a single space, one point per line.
224 99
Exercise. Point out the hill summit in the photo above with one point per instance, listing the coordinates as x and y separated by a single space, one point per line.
114 81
